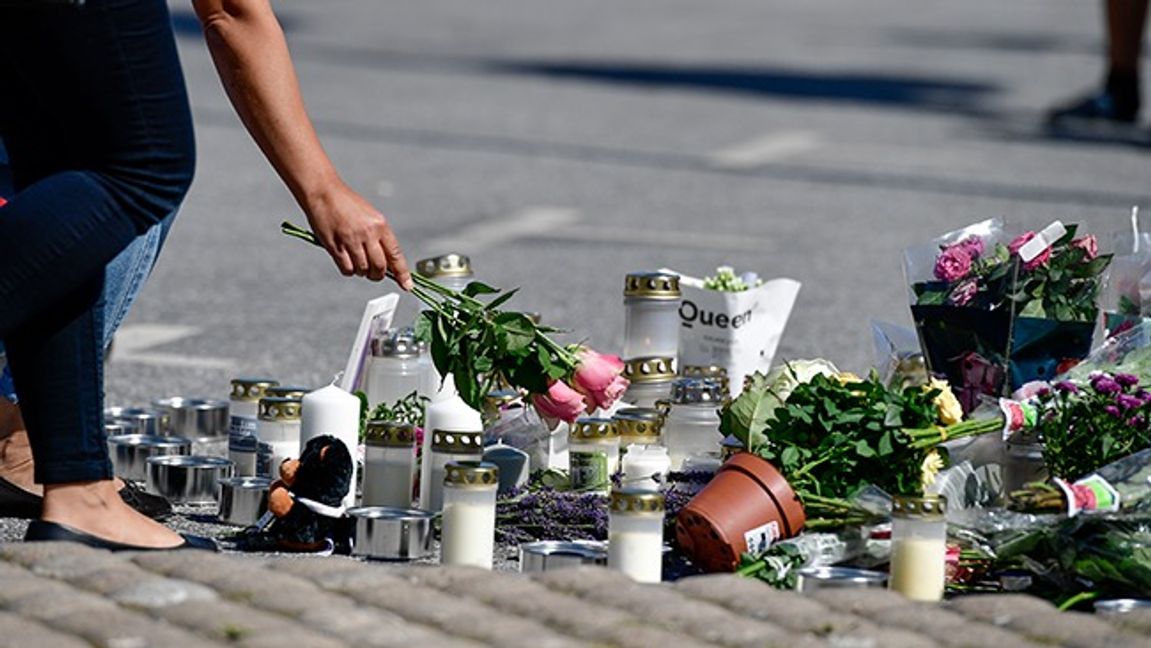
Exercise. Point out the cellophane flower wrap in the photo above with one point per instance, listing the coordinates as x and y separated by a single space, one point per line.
990 320
1126 299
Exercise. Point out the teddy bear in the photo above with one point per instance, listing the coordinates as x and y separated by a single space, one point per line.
322 474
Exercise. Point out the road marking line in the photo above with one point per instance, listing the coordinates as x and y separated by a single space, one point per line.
133 344
763 150
530 222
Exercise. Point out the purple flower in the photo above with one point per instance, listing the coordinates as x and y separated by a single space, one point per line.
963 293
1127 380
1067 387
1143 395
1105 385
1136 421
973 245
1112 410
953 264
1127 401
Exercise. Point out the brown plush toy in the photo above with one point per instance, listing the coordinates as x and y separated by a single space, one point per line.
322 474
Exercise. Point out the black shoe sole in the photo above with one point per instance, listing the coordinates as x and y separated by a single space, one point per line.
41 531
15 502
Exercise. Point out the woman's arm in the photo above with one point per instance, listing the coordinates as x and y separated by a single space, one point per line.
252 59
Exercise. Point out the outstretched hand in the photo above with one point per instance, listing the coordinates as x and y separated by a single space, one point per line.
357 236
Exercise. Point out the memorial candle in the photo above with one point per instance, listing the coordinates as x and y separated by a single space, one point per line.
333 411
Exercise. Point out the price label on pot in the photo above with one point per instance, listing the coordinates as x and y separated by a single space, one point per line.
589 471
760 538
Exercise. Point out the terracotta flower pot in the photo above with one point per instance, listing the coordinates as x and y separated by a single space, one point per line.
748 501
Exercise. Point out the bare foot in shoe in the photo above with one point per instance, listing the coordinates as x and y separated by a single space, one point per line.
97 509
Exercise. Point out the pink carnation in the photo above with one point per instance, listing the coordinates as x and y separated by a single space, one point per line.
598 378
1089 245
1040 260
953 264
973 245
560 403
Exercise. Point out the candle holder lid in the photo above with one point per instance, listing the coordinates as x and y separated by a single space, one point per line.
445 265
286 391
389 434
471 474
279 409
634 500
639 422
694 391
927 507
714 372
649 370
251 389
652 285
593 429
397 343
451 442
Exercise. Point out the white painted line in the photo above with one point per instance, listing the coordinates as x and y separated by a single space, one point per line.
133 344
764 150
526 223
664 238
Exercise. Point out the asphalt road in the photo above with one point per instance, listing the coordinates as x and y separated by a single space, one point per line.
563 144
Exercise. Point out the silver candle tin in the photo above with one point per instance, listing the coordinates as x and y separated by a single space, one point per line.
184 479
550 556
816 578
388 533
196 418
130 452
143 420
243 499
1112 607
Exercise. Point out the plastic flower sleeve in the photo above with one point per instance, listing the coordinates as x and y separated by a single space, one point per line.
1126 297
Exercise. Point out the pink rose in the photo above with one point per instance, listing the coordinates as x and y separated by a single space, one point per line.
973 245
1089 245
953 264
560 403
1041 259
964 293
598 378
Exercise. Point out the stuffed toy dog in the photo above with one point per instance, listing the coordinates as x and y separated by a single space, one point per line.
322 474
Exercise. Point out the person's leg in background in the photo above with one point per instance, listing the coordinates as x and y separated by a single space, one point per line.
102 154
1119 100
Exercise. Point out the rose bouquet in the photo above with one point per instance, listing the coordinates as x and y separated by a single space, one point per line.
482 346
993 313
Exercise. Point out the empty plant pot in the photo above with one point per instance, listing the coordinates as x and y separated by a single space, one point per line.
747 506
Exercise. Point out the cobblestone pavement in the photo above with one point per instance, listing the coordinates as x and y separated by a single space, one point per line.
59 594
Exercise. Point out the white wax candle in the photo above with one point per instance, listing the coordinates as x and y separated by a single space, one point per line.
918 568
388 476
334 412
469 528
635 546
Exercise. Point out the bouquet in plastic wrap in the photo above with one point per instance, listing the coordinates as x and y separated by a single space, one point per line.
1126 299
994 313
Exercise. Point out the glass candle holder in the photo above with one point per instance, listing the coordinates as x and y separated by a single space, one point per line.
919 547
449 270
635 534
650 380
244 403
395 367
593 454
645 467
279 429
714 372
638 425
651 315
692 424
389 464
469 521
448 447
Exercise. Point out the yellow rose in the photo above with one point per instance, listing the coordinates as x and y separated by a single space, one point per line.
946 404
930 467
846 378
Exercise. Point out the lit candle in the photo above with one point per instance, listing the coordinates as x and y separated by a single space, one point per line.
334 412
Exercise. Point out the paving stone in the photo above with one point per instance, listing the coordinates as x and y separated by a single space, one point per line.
227 621
673 609
1137 621
352 581
460 617
10 570
445 576
20 632
324 570
51 600
1074 629
373 627
282 639
61 560
999 609
112 579
118 628
163 592
756 600
865 602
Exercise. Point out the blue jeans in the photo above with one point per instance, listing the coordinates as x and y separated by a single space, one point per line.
96 123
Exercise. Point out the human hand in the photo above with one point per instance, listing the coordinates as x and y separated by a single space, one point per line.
357 236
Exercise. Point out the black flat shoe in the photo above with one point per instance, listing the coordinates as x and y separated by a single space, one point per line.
15 502
41 531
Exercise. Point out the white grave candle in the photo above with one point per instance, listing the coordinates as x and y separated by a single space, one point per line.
334 412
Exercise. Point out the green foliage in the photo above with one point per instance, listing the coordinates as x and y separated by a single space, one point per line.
1086 429
409 409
